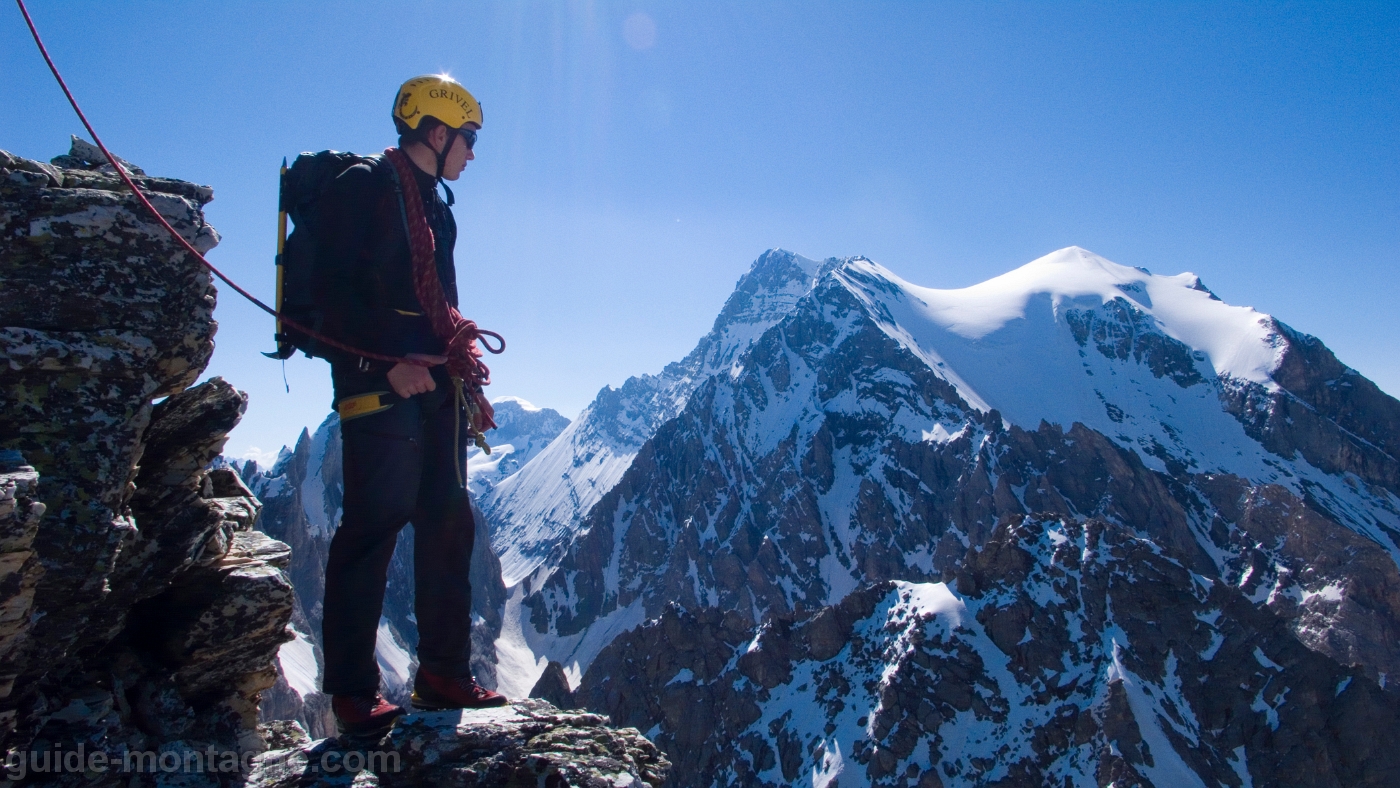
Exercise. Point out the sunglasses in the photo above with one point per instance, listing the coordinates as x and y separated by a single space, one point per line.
468 136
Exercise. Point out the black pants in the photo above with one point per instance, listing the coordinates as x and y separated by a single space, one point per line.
398 466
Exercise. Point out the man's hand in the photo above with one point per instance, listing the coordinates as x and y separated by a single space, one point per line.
410 379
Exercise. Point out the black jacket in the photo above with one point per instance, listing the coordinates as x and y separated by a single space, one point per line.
363 281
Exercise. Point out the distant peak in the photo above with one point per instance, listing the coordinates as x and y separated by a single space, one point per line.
522 404
1197 284
831 264
778 256
1077 262
1073 255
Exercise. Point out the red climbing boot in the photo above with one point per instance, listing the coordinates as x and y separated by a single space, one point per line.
434 693
357 715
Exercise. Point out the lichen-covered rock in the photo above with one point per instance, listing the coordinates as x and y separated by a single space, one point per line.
174 502
149 610
101 312
530 743
217 624
19 566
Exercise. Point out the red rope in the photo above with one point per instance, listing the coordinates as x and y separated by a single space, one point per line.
121 173
458 334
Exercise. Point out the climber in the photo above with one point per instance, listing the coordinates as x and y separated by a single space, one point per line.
384 280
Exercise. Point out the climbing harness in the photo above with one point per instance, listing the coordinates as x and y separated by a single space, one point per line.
466 333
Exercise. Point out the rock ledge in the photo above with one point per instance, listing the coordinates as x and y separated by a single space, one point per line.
529 743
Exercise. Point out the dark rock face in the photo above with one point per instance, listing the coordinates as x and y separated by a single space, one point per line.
1338 591
528 744
178 524
553 686
302 496
140 609
19 566
1323 410
1122 332
101 314
1086 656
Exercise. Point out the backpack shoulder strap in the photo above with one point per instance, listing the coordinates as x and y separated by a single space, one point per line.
397 186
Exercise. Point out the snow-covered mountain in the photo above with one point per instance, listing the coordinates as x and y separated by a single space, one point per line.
522 432
535 512
867 430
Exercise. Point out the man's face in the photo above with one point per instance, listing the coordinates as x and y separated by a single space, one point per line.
458 154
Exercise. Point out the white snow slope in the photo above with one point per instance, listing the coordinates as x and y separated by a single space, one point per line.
1002 343
1008 344
522 431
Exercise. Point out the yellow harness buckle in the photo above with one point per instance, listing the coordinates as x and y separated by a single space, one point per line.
361 405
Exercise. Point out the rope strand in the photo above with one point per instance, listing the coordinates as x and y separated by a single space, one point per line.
126 178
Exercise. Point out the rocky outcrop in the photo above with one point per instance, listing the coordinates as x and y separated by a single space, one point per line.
19 565
101 313
155 612
529 743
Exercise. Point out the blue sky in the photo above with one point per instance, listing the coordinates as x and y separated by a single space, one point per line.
637 156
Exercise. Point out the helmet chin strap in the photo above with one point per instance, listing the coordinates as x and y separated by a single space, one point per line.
442 157
442 163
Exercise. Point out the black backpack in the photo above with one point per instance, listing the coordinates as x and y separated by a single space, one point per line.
301 189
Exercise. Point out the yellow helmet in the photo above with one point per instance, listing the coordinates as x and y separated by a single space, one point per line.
437 96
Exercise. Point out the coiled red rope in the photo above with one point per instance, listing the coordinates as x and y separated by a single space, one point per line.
458 334
476 333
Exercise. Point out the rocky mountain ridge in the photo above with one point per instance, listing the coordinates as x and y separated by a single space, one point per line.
535 512
525 744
